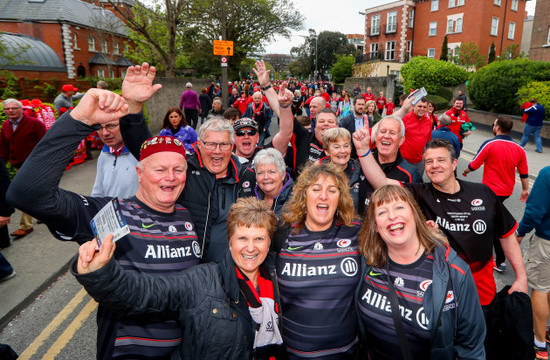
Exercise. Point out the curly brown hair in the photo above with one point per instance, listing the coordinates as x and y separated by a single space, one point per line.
372 246
295 210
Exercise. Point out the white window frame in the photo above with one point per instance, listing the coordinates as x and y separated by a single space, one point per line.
433 26
409 49
494 26
459 2
101 73
123 73
391 22
389 54
116 48
374 48
432 55
458 25
75 41
514 6
91 43
450 26
548 39
375 24
511 30
497 2
104 46
435 5
111 73
456 54
411 18
452 3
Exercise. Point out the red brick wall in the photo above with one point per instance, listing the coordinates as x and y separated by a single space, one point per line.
541 27
476 25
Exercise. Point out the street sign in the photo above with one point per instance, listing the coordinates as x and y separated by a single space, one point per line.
223 48
223 59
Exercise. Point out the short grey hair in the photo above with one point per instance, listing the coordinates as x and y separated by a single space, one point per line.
217 99
445 120
401 125
257 93
11 101
270 156
216 123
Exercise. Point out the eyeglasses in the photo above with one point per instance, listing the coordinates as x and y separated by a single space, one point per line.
109 127
213 145
245 132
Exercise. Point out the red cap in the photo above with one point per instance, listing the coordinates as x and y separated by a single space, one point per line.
161 143
68 87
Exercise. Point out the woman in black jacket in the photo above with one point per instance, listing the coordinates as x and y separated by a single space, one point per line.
226 310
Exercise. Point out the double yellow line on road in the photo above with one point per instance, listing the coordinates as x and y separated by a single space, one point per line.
69 332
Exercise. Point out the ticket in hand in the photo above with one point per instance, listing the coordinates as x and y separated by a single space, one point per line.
417 95
109 220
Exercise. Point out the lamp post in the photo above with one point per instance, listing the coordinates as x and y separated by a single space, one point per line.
313 35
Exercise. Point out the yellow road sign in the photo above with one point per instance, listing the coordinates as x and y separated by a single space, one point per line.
223 48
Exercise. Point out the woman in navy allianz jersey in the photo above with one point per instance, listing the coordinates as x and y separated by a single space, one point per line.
318 266
437 313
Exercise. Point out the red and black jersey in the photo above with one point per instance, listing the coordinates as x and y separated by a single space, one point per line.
471 219
457 119
304 148
318 273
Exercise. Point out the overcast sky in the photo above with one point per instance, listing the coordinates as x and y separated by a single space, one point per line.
335 15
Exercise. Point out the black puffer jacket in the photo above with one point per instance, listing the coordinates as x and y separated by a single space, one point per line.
205 300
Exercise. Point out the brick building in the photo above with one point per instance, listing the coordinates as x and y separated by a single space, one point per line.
87 39
540 38
402 29
357 40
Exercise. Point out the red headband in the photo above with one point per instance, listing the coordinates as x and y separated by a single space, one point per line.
161 143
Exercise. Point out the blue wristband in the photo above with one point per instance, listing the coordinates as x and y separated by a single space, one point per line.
368 152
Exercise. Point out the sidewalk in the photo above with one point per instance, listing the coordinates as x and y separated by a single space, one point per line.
39 259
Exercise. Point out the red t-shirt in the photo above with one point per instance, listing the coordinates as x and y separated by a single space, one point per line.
389 108
368 97
417 133
380 102
457 119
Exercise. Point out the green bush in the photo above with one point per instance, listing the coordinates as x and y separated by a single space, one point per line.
539 90
431 74
440 103
444 93
494 87
342 68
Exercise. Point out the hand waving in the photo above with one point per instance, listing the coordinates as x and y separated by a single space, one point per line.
137 86
262 73
285 96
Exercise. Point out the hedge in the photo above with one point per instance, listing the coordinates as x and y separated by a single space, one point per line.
440 103
494 87
539 90
425 72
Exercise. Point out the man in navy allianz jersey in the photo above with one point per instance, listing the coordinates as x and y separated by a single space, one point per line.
162 239
469 214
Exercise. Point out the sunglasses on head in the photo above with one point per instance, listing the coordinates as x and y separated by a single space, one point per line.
246 132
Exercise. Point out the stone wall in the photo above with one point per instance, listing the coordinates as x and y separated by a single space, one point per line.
488 118
169 96
382 83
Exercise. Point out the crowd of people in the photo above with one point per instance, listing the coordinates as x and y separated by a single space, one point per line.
321 241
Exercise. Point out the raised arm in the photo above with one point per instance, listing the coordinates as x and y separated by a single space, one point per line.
263 78
404 110
286 119
371 170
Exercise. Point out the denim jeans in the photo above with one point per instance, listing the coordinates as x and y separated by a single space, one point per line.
5 267
535 130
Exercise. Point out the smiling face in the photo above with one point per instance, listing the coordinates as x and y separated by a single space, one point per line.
388 140
245 143
322 199
324 121
396 225
339 152
269 179
420 108
370 108
174 119
161 180
249 247
458 105
215 160
439 167
430 108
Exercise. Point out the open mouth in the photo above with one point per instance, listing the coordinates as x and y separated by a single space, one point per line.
322 208
396 228
167 188
249 257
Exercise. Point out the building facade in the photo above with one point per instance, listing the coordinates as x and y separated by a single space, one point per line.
357 40
540 37
88 39
402 29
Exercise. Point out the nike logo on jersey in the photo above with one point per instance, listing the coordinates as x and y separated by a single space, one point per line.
146 226
372 273
294 248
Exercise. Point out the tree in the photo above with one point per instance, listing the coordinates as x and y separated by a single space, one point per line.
432 73
156 30
470 56
328 43
342 68
444 50
248 23
492 54
511 52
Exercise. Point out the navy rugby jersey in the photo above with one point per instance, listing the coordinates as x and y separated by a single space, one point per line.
318 273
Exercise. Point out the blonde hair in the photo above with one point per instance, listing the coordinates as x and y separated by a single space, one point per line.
369 103
372 246
251 212
333 135
295 210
